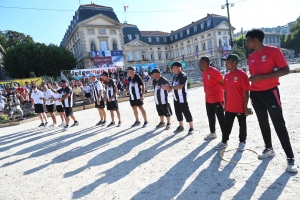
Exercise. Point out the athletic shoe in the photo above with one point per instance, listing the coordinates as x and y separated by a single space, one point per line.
145 124
136 124
42 124
62 124
221 145
111 124
103 123
168 126
119 124
241 146
66 127
291 165
179 129
53 125
99 123
210 136
191 131
266 153
45 124
161 124
76 123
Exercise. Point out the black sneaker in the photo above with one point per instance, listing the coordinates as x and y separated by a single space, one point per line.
168 126
42 124
191 131
45 124
136 124
111 124
161 124
179 129
99 123
75 124
145 124
119 124
103 123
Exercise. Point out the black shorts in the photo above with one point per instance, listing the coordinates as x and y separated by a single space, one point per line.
68 111
87 95
59 108
136 102
113 105
50 108
164 110
39 108
101 104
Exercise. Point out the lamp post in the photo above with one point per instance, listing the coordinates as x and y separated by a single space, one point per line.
223 6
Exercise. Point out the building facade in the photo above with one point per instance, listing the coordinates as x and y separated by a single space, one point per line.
272 39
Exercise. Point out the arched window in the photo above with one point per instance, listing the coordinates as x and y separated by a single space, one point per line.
115 45
220 42
93 46
144 55
136 55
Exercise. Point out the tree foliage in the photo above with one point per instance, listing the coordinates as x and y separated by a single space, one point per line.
11 38
292 41
43 60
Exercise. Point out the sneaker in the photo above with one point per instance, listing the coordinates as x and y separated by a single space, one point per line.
241 146
62 124
111 124
161 124
136 124
66 127
179 129
42 124
221 145
75 124
53 125
119 124
45 124
191 131
145 124
210 136
99 123
266 153
103 123
291 165
168 126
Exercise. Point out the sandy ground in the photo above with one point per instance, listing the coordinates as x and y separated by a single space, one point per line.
90 162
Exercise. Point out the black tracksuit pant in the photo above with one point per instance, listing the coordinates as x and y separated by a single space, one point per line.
228 123
265 102
213 109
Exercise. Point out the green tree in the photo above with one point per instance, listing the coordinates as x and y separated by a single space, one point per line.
11 38
39 58
292 41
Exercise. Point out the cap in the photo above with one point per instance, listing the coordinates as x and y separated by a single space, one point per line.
155 71
104 73
92 75
232 57
63 81
177 64
130 68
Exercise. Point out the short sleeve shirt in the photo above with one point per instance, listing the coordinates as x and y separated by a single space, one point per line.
212 87
48 94
36 97
135 87
160 95
180 95
68 102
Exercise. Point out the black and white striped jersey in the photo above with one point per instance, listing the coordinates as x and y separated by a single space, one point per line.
68 102
110 89
180 95
96 87
135 87
160 95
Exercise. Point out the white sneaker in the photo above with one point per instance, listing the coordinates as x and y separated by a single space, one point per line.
266 153
66 128
241 146
53 125
291 167
62 124
221 145
210 136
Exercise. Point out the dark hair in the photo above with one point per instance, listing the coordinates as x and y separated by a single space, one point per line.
256 33
205 59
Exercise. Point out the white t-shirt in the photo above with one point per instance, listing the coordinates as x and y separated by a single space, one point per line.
87 89
2 103
36 97
57 96
48 94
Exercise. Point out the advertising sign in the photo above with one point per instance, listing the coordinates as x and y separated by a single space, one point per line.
108 58
21 82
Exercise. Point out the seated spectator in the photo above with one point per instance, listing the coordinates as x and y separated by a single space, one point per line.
77 93
20 89
87 92
79 84
77 76
25 97
8 91
3 102
71 77
27 87
15 108
84 78
168 70
16 86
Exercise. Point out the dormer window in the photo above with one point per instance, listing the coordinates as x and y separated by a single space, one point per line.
176 36
157 39
165 39
137 36
149 39
171 38
195 28
129 37
187 32
209 23
181 34
202 26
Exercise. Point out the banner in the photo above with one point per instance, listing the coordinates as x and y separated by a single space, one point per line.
97 71
21 82
182 62
108 58
144 67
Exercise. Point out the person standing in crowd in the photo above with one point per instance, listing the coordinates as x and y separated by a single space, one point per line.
15 108
180 94
214 96
67 102
111 101
38 105
161 99
136 90
49 103
236 93
97 89
58 105
87 92
266 65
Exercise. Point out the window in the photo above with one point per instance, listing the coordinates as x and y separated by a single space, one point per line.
91 31
195 28
220 42
152 57
208 35
219 32
157 39
159 56
103 45
225 42
188 42
195 39
129 37
182 52
224 33
137 36
136 55
181 44
188 32
189 50
149 39
151 49
129 56
167 56
102 31
273 39
166 48
202 26
144 55
277 39
202 36
181 34
176 45
209 44
177 54
172 47
172 54
165 39
176 37
93 46
113 32
114 45
208 23
171 38
196 48
203 47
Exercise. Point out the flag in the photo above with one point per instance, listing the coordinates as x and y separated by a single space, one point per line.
126 8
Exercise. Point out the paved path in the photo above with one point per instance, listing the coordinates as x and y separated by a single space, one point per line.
90 162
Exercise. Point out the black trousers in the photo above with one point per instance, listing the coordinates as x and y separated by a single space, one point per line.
228 123
182 108
265 102
213 109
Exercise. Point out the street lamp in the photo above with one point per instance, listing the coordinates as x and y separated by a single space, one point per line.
223 6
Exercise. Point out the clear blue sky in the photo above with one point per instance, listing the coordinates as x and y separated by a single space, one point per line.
48 26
